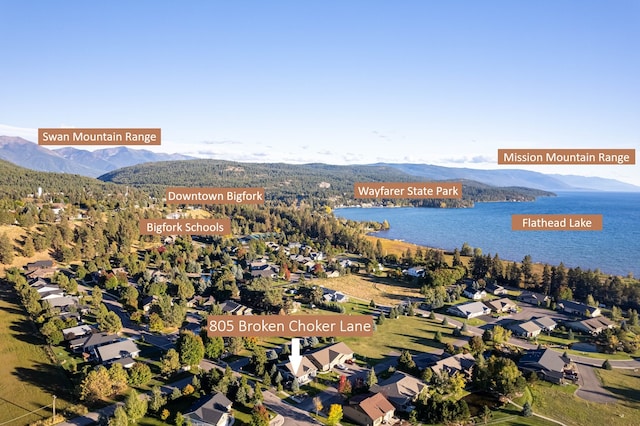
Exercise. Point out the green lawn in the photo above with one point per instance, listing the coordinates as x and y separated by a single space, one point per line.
559 402
624 384
28 379
413 333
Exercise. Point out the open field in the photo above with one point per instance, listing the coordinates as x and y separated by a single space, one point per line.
625 384
413 333
558 402
383 291
27 377
16 234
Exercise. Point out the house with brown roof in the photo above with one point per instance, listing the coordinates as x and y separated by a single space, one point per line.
459 363
592 326
401 389
327 358
369 410
527 329
501 305
306 371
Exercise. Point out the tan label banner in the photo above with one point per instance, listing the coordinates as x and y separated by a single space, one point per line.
289 325
556 222
567 156
181 195
185 226
99 136
410 190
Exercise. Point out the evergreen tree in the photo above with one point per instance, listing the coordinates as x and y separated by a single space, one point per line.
135 406
6 249
372 379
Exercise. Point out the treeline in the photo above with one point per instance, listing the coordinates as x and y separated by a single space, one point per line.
558 281
293 183
17 183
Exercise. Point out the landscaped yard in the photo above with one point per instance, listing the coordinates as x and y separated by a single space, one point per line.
28 379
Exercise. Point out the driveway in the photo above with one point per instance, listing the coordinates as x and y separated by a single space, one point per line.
590 387
293 416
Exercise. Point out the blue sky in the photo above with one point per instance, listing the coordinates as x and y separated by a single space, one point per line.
341 82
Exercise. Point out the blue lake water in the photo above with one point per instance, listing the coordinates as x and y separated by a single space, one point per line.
614 250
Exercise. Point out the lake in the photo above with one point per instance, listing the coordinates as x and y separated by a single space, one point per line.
613 250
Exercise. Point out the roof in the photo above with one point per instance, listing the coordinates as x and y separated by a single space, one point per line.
455 363
529 326
80 330
595 324
500 304
471 308
325 355
399 387
579 307
545 322
306 366
57 302
374 406
545 359
117 350
210 408
100 339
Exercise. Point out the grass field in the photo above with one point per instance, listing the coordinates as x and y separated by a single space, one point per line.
383 291
27 377
558 402
413 333
625 384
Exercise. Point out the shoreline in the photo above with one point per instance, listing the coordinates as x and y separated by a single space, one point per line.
398 247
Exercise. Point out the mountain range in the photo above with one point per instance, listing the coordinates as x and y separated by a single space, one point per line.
77 161
99 162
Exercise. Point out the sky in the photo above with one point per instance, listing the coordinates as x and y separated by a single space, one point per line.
339 82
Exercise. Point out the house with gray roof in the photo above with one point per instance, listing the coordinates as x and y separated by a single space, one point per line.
527 329
469 310
211 410
122 349
401 389
592 326
548 364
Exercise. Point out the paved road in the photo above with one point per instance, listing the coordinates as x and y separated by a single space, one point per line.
293 416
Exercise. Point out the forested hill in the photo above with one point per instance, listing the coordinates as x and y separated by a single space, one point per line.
288 182
17 182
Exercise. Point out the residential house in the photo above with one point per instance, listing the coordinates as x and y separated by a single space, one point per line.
592 326
415 271
123 349
532 298
459 363
72 333
211 410
495 289
369 410
96 340
469 310
305 373
233 308
578 309
148 302
474 293
39 264
546 323
334 296
327 358
401 389
501 305
527 329
548 364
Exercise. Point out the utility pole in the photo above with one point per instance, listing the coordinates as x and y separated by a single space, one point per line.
54 407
